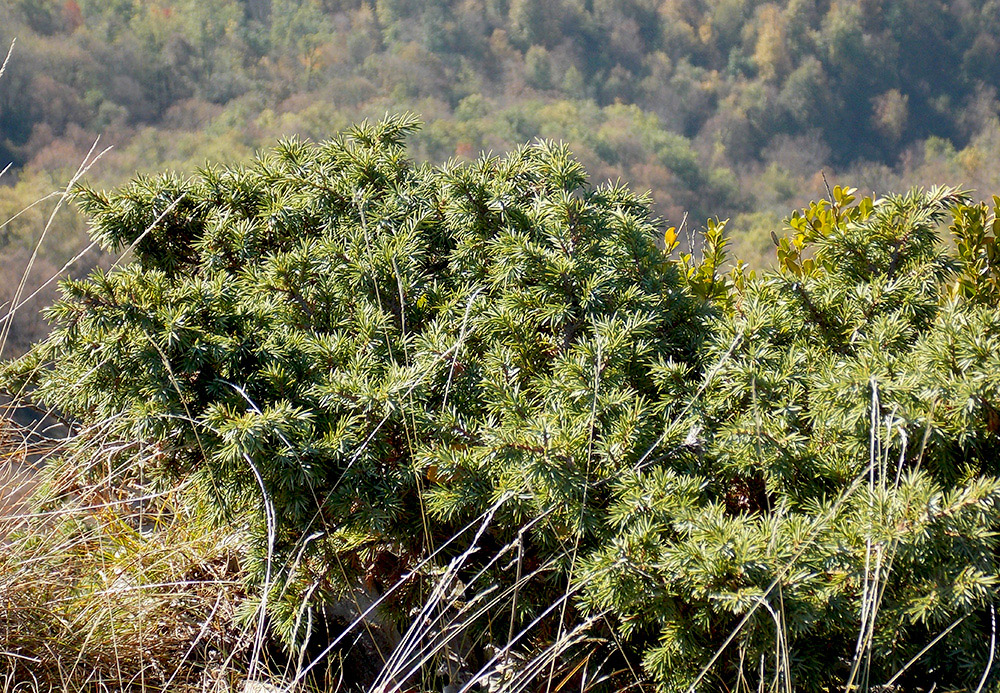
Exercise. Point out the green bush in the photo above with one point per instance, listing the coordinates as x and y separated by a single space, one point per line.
387 350
786 479
843 499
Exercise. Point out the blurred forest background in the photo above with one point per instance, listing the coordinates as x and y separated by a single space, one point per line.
728 108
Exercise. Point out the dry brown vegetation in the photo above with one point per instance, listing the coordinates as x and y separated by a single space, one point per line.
104 584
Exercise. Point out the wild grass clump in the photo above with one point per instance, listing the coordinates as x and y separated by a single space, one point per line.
105 582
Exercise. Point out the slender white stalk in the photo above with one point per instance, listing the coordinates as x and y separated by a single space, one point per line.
923 651
704 386
84 167
3 68
818 524
993 649
271 521
485 517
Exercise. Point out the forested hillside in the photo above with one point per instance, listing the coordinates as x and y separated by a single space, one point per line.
733 108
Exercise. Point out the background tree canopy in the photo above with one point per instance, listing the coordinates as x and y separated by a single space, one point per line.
719 107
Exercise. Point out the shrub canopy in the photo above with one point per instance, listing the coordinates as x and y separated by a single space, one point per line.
389 354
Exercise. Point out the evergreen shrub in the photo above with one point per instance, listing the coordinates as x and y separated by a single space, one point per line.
841 510
786 479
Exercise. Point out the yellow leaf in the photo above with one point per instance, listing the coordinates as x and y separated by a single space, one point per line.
670 238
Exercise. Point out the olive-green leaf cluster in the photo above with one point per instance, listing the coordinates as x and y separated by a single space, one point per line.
782 480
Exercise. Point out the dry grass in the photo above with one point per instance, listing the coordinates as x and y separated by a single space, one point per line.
103 583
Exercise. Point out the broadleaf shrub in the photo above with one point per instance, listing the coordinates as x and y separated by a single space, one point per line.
387 354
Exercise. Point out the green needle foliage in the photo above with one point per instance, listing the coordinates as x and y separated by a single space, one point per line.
385 350
786 480
843 500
